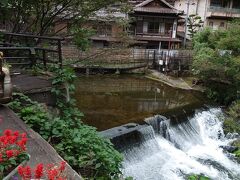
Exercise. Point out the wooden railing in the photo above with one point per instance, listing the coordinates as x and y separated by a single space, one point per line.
24 49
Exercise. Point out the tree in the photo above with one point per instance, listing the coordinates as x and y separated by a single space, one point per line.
217 62
38 16
194 24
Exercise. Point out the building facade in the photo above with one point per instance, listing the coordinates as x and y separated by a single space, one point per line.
215 13
153 26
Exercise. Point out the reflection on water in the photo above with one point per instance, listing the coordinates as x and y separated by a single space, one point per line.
109 101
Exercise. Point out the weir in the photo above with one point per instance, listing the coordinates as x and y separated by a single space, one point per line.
165 150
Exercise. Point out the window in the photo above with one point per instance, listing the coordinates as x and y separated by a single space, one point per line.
168 28
210 24
103 29
153 27
222 25
236 4
220 3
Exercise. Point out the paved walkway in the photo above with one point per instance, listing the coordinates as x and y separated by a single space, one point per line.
39 149
26 83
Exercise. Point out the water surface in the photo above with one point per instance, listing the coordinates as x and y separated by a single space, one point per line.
110 101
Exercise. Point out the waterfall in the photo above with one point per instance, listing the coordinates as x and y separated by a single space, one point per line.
178 149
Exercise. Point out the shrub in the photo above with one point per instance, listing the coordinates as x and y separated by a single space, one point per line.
79 144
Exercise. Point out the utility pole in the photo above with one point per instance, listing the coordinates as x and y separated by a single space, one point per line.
186 22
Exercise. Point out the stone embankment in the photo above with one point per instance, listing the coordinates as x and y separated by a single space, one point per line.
172 81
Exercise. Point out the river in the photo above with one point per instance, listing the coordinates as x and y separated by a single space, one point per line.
110 101
188 142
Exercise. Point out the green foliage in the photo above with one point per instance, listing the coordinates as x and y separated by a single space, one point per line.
194 24
237 153
77 143
83 147
236 143
43 13
217 62
81 37
197 177
232 122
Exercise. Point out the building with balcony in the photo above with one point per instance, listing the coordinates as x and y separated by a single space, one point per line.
153 26
215 13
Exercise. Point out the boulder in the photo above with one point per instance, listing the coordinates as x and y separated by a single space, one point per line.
229 149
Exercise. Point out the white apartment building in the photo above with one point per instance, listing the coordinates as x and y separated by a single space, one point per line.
214 13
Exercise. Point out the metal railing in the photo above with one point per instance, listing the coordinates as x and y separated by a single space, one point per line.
154 33
222 9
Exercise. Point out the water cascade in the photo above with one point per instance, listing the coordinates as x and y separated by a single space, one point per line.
175 150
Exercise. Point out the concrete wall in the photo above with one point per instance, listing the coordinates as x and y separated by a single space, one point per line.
216 23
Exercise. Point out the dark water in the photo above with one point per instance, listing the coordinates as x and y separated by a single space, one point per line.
109 101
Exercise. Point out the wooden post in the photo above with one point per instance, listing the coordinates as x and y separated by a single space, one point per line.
44 59
60 53
32 54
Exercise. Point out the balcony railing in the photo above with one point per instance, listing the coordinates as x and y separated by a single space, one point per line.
224 10
154 33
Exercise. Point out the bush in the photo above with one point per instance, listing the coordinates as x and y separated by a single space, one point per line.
197 177
82 147
217 61
232 122
79 144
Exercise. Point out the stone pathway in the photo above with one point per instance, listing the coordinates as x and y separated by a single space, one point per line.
27 84
171 81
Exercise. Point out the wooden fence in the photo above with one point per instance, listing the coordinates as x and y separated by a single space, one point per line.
27 50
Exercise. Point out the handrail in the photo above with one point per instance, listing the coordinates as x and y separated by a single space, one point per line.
35 48
223 9
33 36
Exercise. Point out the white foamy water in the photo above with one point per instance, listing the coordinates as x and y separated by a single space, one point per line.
191 147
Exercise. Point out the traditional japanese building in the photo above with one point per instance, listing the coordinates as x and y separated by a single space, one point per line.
153 26
156 24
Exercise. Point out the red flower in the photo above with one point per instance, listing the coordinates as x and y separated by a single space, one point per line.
39 171
27 172
24 140
11 139
21 171
52 174
7 132
9 153
23 135
22 144
16 133
62 166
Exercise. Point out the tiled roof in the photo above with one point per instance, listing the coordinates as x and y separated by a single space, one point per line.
156 10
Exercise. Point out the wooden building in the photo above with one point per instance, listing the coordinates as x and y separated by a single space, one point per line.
154 26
